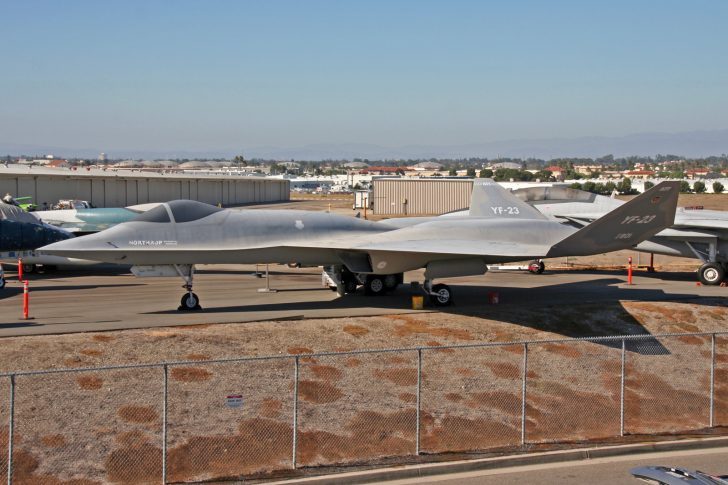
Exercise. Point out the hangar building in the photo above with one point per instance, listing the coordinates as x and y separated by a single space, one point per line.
125 187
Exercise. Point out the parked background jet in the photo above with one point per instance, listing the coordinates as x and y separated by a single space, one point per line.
171 238
86 221
22 232
701 234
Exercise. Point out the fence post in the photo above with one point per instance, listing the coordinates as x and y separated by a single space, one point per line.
621 390
523 394
295 411
419 391
11 429
712 380
164 427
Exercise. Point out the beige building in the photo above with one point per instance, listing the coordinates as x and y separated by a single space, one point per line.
420 196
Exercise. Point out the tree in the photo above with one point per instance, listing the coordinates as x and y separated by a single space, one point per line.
589 186
625 186
452 172
718 187
486 173
470 172
576 185
609 187
699 187
685 187
649 185
240 160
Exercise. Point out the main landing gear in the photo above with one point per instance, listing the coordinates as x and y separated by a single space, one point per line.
536 267
711 273
189 301
440 294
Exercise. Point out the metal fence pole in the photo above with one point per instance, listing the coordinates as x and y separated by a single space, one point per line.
295 410
523 394
419 391
621 389
11 429
712 381
164 426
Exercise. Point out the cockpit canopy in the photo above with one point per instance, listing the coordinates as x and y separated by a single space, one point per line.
182 211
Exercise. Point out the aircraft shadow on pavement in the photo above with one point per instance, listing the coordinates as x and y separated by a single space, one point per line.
11 291
656 275
574 310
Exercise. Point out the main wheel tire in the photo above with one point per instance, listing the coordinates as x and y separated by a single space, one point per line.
375 285
711 274
441 295
2 283
189 302
536 267
29 268
391 282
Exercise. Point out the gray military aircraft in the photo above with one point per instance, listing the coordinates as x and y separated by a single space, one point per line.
696 233
171 238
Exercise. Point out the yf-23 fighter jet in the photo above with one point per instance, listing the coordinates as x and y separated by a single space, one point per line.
170 239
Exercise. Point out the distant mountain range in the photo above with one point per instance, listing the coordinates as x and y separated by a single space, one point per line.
689 144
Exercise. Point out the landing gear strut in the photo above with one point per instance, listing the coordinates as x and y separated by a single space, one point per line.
189 301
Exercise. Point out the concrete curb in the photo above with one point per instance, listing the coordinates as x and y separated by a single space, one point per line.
539 458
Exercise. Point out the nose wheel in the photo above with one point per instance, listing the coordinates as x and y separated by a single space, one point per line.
189 301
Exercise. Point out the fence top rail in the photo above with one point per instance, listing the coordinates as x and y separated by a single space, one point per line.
153 365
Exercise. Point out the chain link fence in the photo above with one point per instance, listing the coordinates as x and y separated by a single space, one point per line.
182 422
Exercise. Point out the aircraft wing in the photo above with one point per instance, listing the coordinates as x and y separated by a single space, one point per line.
702 224
460 247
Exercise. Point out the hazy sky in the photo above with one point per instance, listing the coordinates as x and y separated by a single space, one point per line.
201 75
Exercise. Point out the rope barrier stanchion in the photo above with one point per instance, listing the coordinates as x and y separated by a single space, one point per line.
629 270
26 299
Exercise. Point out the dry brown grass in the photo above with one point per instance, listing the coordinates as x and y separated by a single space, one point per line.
138 414
355 330
90 382
190 374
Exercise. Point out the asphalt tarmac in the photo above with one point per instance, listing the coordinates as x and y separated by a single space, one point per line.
597 471
81 301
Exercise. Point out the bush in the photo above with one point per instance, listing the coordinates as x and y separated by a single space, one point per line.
649 185
718 187
685 187
699 187
486 173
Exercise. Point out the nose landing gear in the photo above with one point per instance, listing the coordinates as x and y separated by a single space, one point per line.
189 301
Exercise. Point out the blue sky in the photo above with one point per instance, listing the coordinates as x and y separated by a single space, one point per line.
203 75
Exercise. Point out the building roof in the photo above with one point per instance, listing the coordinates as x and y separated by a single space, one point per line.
641 172
383 169
428 166
356 165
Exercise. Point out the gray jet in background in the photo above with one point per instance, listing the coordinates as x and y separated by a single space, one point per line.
171 238
696 233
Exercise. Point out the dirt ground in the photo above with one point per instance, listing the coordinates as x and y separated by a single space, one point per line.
105 426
